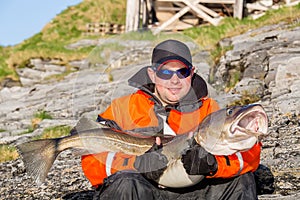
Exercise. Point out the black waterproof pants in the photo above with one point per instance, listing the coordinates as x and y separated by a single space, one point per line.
132 185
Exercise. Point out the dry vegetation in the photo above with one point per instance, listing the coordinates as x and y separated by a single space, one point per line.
69 27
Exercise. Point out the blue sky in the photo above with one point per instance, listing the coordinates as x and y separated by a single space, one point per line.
21 19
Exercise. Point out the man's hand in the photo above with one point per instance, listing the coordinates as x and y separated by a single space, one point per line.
197 161
153 163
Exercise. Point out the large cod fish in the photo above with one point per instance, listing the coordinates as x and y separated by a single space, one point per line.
223 132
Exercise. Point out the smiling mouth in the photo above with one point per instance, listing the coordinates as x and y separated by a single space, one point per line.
174 90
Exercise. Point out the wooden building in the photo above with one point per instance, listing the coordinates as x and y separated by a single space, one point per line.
159 15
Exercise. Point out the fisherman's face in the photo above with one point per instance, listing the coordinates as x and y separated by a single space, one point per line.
171 90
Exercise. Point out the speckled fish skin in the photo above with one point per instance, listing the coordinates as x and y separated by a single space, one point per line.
225 131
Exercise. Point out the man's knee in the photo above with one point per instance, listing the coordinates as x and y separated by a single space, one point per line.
127 185
240 187
246 187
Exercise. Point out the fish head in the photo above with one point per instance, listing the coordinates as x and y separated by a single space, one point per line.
232 129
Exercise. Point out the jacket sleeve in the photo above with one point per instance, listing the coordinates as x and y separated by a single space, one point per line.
106 115
97 167
213 106
238 163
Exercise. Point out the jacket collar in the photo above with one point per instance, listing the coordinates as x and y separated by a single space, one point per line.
190 102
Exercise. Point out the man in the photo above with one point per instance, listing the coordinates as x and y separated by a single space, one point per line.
171 100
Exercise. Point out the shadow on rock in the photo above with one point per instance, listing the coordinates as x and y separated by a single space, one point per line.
84 195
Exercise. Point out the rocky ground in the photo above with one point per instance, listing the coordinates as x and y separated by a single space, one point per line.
265 59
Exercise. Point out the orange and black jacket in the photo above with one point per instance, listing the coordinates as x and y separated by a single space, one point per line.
142 112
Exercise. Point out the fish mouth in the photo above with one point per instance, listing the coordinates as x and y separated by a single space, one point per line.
253 121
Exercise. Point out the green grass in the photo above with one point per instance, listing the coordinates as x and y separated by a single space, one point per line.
5 71
105 50
69 26
54 132
9 152
209 36
42 115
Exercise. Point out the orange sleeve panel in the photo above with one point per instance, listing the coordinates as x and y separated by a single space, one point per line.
129 112
189 121
107 114
238 163
94 166
132 111
209 106
122 162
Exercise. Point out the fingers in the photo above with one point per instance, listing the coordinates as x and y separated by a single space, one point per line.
158 141
156 146
190 135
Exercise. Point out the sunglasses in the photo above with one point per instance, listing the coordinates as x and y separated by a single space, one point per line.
167 74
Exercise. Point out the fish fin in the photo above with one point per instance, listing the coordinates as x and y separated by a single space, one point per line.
38 157
87 124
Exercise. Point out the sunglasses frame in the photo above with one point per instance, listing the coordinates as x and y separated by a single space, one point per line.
169 75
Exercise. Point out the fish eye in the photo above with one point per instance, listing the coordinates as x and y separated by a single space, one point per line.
229 111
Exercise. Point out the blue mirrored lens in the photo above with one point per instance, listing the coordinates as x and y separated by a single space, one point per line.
167 74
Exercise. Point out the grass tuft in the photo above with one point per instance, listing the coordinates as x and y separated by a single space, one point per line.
8 153
54 132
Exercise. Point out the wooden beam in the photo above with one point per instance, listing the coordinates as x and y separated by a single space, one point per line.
238 9
198 9
160 8
132 15
171 20
252 6
144 13
204 1
201 13
208 11
218 1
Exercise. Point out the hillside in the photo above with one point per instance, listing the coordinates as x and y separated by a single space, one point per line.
65 28
69 26
269 54
59 84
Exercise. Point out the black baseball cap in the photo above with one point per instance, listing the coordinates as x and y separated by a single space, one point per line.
171 50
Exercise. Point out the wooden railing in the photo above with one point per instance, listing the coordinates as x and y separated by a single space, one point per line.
104 28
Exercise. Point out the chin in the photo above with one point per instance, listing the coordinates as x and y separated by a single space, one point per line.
173 100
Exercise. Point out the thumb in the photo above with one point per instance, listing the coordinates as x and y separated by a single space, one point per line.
158 141
156 146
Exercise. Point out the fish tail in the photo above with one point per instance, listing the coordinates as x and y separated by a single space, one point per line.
38 157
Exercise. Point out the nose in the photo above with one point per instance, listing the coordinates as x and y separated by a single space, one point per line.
174 79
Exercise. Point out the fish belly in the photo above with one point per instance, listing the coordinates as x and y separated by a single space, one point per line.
175 176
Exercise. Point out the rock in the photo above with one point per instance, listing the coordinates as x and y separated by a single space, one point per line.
266 59
9 82
249 86
256 65
39 70
81 44
80 64
269 54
